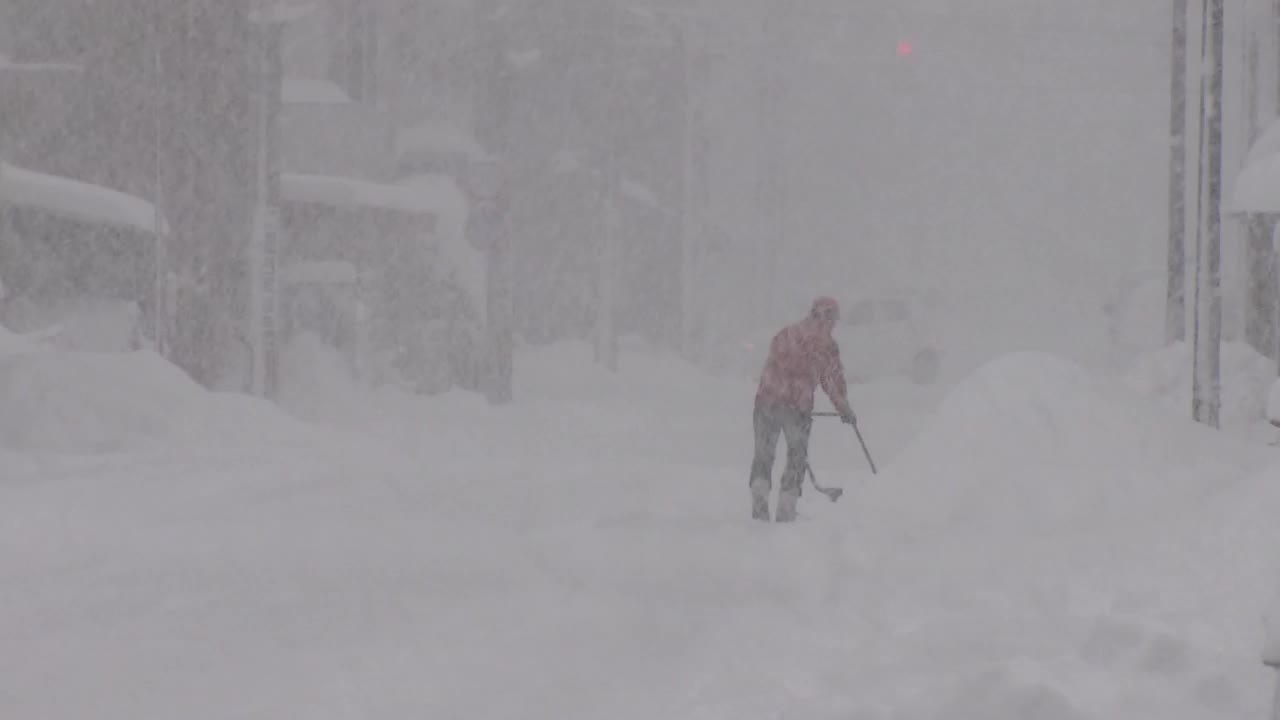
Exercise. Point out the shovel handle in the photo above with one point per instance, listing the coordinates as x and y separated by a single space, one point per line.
861 442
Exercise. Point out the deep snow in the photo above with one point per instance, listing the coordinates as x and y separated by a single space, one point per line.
1165 376
1041 542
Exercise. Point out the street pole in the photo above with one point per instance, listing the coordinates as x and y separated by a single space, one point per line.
1260 294
265 241
606 345
1206 381
492 118
162 300
1176 295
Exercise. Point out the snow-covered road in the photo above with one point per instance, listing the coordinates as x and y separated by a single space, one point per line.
586 553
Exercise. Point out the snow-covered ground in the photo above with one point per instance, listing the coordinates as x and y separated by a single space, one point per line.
1041 542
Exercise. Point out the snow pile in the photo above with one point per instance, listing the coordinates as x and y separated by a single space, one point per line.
1273 403
1033 441
605 515
76 402
1166 374
1232 542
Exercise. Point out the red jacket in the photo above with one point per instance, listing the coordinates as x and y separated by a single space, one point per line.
801 357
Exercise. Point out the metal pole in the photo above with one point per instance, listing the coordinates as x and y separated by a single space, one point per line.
688 237
264 244
492 124
161 299
1206 390
606 331
1176 296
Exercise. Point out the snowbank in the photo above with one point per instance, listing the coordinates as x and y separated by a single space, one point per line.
1033 442
1165 376
81 402
1273 403
605 515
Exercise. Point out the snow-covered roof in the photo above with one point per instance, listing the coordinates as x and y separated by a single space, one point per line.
348 192
75 199
437 138
312 91
1257 188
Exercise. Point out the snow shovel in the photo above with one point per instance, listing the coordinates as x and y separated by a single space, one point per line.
833 494
861 442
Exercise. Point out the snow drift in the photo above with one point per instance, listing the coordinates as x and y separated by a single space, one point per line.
83 402
1034 441
1165 376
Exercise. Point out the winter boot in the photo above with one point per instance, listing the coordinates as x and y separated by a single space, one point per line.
760 499
787 506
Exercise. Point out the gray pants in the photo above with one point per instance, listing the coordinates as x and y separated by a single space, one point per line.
770 421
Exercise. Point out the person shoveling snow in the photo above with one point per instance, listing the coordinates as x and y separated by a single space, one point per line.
802 356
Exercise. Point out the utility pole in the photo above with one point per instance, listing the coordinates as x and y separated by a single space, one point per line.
490 229
1206 382
162 289
1176 295
1260 291
264 246
608 254
1274 264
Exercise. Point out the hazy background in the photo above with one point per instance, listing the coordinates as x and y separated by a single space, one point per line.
1012 149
